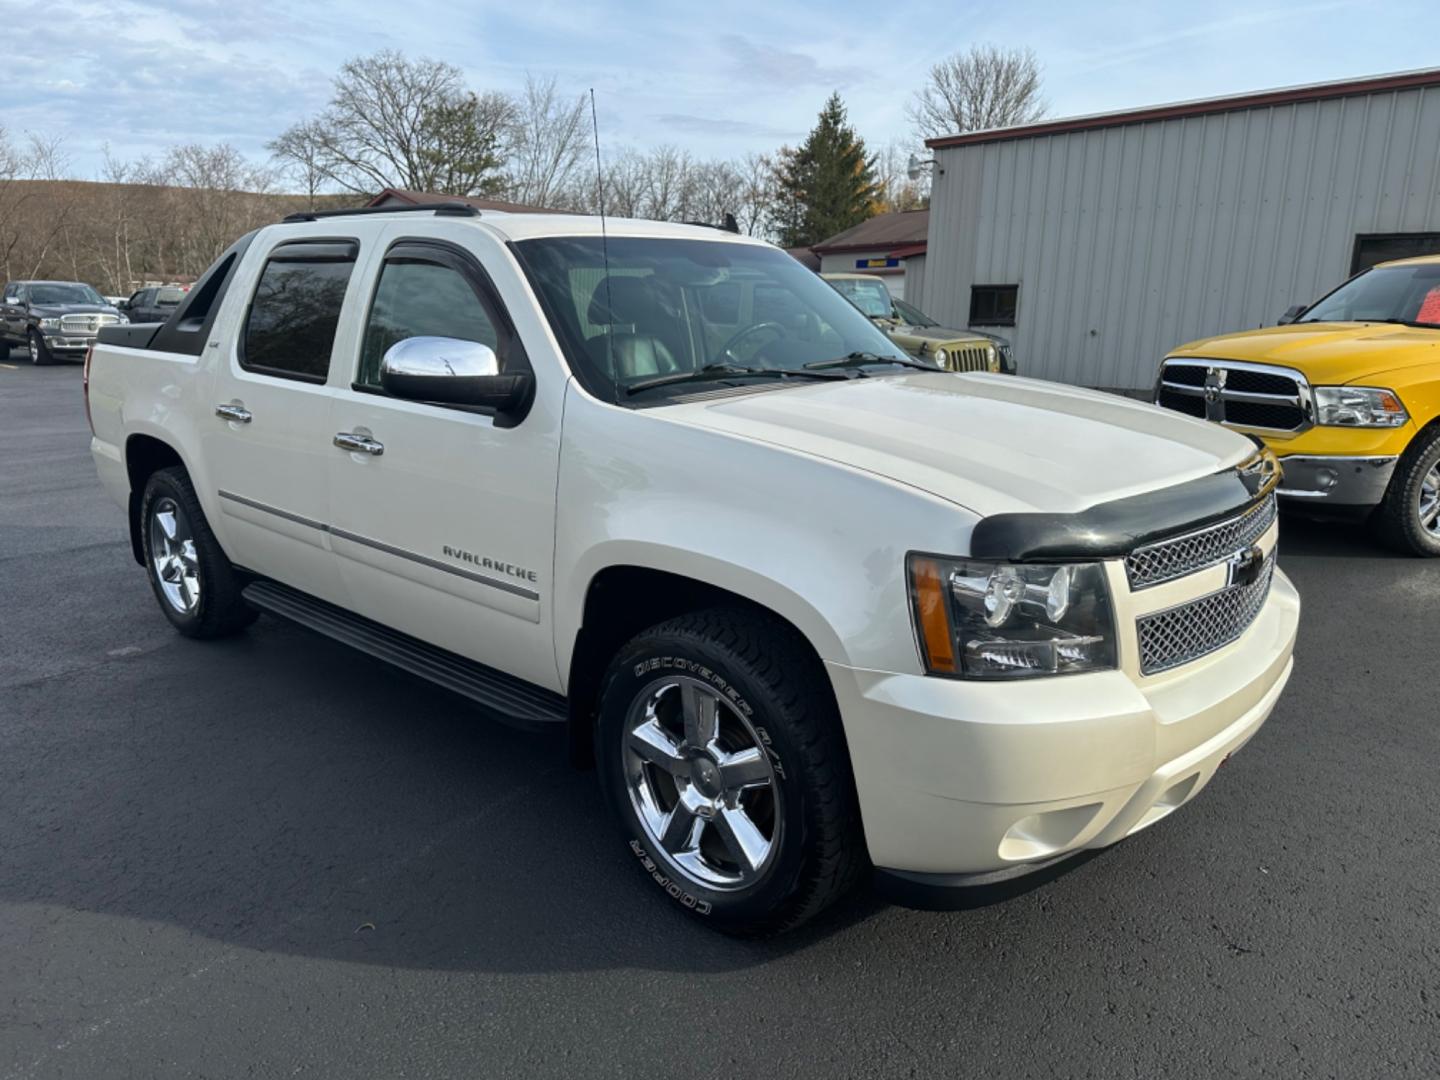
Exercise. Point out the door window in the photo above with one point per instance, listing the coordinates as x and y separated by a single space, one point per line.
290 328
417 298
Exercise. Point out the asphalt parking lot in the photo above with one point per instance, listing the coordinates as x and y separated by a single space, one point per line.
271 856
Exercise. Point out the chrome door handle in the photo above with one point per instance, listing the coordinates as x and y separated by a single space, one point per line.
360 444
237 413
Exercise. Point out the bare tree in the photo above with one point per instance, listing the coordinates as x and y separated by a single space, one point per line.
756 194
300 154
984 87
223 199
15 168
667 188
897 190
396 122
546 143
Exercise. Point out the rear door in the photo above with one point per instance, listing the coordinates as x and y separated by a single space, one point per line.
447 532
267 443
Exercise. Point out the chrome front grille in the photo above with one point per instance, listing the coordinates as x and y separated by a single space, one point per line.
1180 555
1191 630
1237 393
85 324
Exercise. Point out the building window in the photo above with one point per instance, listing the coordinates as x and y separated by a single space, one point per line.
993 305
1382 247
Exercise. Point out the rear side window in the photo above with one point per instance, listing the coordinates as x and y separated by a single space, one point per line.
169 297
290 328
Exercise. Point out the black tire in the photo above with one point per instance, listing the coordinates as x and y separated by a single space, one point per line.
217 608
1398 519
40 354
772 687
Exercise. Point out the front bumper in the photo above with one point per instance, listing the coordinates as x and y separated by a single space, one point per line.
994 779
1336 481
58 341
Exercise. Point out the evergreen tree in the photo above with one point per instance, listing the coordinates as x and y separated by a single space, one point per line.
826 184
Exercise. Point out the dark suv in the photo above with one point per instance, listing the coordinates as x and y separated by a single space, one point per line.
57 320
153 304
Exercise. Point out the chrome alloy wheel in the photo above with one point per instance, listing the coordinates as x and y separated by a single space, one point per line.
1430 501
701 783
172 556
33 343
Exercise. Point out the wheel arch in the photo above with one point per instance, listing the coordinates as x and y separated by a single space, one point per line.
623 599
144 456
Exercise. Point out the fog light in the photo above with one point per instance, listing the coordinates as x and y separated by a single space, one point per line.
1325 479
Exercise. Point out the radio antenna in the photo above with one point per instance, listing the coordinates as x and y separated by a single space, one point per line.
605 254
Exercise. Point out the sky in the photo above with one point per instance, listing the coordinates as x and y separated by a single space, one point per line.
716 79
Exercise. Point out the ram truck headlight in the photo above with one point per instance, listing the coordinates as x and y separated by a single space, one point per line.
982 620
50 324
1358 406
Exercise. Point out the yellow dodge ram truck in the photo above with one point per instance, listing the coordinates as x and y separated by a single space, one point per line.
1347 394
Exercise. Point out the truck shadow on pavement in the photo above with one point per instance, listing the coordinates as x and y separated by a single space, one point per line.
278 792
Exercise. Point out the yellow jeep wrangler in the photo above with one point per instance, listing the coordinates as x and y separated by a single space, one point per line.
1345 391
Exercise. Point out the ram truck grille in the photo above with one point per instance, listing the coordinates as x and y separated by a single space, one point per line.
85 324
1191 630
1242 395
1175 557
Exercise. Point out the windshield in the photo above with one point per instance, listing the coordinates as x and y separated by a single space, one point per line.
913 315
675 306
50 293
868 294
1407 294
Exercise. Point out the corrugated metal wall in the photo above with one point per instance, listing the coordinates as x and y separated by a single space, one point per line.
1127 241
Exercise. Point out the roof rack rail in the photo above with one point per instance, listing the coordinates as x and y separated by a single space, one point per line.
445 209
728 225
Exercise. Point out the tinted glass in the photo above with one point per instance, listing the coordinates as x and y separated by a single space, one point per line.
416 299
662 307
169 297
291 326
871 297
1405 294
64 294
913 315
993 305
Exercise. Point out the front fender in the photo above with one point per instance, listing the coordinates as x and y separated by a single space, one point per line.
818 542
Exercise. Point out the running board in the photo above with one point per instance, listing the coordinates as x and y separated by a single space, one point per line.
509 699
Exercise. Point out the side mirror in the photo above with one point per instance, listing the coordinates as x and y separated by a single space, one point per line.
122 305
450 371
1293 312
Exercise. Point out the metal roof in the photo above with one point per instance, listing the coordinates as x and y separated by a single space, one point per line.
1293 95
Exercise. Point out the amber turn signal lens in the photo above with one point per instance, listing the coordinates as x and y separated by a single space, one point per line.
927 585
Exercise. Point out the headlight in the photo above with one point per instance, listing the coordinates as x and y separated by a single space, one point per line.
980 620
942 358
1358 406
50 324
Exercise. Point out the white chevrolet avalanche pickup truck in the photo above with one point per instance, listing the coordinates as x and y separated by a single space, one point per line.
813 608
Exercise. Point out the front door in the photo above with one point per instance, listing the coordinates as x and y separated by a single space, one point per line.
267 435
443 526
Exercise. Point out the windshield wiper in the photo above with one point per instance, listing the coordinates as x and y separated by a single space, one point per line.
725 371
860 359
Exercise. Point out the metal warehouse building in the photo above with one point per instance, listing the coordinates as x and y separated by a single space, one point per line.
1100 242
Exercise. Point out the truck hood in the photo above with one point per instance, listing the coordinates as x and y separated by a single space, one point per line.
991 443
941 334
1326 353
51 310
